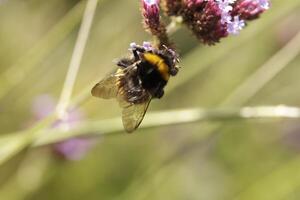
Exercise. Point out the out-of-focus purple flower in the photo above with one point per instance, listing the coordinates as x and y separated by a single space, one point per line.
72 149
43 106
291 136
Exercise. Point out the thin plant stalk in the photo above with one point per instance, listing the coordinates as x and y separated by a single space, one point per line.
265 73
76 58
14 145
172 117
234 98
82 96
15 74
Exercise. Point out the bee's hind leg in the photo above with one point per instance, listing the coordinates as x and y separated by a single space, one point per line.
125 62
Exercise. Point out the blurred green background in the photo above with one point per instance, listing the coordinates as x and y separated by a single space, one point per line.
234 159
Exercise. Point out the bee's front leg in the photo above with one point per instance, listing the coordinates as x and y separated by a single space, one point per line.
135 49
159 93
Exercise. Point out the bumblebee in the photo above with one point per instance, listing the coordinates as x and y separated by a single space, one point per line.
138 80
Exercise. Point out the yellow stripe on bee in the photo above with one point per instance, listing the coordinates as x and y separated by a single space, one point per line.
159 63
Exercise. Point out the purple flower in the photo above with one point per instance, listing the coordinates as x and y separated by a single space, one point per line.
72 149
235 26
148 46
43 106
226 8
211 20
151 13
208 22
264 4
225 5
152 22
250 9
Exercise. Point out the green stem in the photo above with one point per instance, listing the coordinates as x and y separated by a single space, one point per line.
164 118
15 74
79 48
190 72
15 143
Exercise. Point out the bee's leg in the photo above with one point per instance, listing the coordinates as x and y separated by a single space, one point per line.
124 62
135 49
159 93
135 55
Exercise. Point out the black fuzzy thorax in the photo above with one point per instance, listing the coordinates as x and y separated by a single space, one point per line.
151 79
142 83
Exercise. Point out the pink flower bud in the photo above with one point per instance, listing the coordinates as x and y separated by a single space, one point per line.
250 9
153 24
151 13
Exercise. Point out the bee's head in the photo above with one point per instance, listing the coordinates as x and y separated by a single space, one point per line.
171 59
169 56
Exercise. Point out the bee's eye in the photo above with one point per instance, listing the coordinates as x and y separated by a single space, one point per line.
173 71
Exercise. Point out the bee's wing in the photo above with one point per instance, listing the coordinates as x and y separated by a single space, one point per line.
106 88
133 114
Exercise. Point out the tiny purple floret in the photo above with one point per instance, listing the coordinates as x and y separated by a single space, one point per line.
235 26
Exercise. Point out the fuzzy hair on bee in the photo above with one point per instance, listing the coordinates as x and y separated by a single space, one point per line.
138 79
